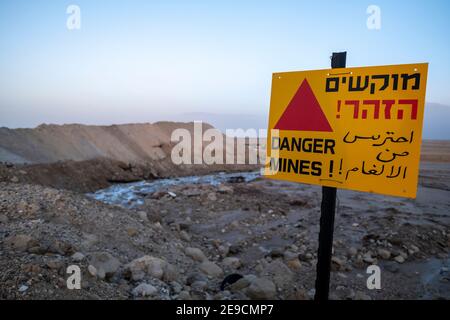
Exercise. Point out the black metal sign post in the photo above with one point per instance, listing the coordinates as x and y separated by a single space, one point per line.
327 212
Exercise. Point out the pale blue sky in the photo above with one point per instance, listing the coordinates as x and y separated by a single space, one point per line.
139 61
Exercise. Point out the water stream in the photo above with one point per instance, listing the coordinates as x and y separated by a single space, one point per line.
131 195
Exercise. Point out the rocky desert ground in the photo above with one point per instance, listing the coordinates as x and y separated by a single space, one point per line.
148 230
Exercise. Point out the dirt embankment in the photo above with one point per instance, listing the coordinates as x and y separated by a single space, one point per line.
135 143
87 158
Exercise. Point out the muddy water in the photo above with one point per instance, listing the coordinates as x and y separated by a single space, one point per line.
131 195
434 277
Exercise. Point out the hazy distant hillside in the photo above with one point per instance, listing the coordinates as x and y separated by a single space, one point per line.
436 125
435 122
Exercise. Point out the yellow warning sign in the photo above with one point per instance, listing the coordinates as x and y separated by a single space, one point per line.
351 128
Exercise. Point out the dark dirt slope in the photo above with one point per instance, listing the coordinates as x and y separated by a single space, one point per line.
91 175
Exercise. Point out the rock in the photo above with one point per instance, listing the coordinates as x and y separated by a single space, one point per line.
101 273
344 293
415 249
367 257
144 290
23 288
77 257
158 226
225 189
235 224
289 255
299 294
338 261
170 273
211 269
89 241
54 264
234 249
242 283
229 280
222 295
92 270
399 259
359 295
38 250
358 261
276 270
132 232
30 209
232 262
191 192
3 218
184 225
139 268
61 247
294 264
261 289
176 287
199 285
184 295
32 268
298 202
239 285
196 254
311 293
212 196
193 277
384 254
185 236
305 256
351 252
21 242
157 195
223 250
14 179
105 263
143 216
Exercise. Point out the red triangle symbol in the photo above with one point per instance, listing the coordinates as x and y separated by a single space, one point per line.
304 113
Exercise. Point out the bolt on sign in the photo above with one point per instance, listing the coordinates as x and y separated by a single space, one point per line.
350 128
